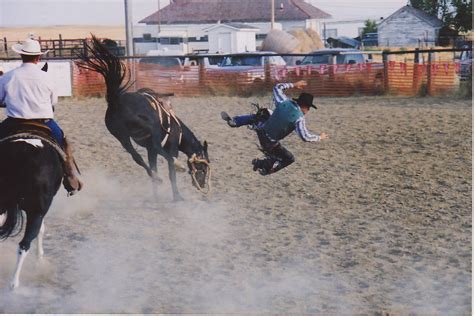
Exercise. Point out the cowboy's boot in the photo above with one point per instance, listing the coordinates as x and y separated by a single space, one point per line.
226 117
263 166
71 182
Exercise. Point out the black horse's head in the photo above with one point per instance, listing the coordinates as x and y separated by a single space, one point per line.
200 170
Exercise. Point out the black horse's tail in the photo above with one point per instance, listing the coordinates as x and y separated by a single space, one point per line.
13 223
98 58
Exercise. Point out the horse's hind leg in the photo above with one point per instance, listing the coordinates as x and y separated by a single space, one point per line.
33 226
152 161
127 144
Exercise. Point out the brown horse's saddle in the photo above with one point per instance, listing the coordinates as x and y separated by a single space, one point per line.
11 127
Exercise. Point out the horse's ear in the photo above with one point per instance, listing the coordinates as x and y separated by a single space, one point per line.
205 146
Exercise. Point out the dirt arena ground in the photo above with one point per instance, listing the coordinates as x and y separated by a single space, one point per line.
375 219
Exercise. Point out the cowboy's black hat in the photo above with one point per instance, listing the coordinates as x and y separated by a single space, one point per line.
305 99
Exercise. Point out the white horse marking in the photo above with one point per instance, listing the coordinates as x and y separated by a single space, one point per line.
40 241
33 142
19 263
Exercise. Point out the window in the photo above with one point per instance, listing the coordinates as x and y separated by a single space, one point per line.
242 61
215 60
198 39
317 59
147 36
170 40
162 61
330 33
353 59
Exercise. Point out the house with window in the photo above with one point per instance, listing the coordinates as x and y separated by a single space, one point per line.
194 18
409 27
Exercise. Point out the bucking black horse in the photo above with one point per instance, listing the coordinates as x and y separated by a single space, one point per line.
145 118
31 170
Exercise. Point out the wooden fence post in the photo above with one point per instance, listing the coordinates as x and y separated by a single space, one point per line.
5 45
429 73
60 45
416 76
385 71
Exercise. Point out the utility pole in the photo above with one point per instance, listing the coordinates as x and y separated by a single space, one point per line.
159 19
128 27
157 38
273 14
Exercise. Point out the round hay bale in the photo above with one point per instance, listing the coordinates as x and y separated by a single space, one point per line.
309 40
280 42
318 43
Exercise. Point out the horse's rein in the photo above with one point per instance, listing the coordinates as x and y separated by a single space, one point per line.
28 135
194 159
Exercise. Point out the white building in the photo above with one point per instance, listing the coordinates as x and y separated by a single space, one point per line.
232 38
409 27
194 17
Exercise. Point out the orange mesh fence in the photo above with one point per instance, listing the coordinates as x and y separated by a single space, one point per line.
444 78
410 79
395 78
339 80
325 80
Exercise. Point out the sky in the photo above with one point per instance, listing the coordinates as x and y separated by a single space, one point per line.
17 13
359 9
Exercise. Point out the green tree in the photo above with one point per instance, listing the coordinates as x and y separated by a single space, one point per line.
461 19
370 26
455 14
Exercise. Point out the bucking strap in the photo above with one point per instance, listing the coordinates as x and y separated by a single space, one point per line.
159 106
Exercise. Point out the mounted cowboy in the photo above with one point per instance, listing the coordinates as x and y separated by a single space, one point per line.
271 127
28 94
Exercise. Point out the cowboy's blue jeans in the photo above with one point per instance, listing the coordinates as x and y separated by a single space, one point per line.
245 119
56 131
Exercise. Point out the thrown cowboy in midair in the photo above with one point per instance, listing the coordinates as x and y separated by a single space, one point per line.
27 93
271 127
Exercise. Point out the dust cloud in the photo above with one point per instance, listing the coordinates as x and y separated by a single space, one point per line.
115 248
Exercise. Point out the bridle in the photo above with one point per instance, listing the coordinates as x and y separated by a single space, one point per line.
192 161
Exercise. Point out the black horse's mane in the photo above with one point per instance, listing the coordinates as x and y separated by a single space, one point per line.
101 60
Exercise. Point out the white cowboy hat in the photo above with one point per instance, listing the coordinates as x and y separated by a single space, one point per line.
28 47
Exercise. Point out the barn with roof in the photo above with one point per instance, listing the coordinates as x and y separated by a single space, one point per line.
409 27
196 17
